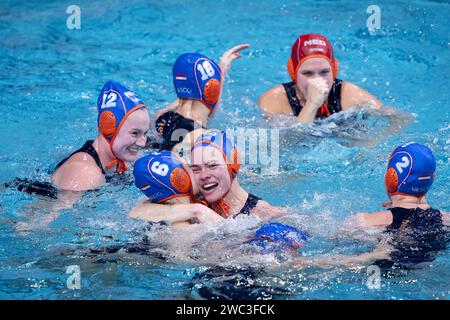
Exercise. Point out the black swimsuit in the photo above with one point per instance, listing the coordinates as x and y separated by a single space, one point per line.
249 205
172 127
415 218
231 283
334 98
416 235
28 186
87 148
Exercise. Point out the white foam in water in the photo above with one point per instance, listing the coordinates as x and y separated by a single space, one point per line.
222 244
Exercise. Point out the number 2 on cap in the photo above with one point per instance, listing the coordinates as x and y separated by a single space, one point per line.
206 69
161 169
401 165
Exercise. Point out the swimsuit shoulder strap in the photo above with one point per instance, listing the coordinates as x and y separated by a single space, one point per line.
249 205
398 216
89 149
86 148
292 97
334 98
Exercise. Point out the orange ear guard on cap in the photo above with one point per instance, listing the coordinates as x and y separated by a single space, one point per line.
335 66
391 180
293 71
180 180
212 91
107 124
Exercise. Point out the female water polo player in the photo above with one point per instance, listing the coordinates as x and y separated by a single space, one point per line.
165 179
123 122
198 83
409 176
417 231
215 166
315 91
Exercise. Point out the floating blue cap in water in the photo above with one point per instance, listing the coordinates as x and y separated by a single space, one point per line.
275 237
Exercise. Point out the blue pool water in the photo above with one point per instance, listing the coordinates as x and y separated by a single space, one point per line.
49 80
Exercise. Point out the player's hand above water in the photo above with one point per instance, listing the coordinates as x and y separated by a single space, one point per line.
229 56
316 92
205 215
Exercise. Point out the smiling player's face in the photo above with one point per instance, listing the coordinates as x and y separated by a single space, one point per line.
132 136
210 172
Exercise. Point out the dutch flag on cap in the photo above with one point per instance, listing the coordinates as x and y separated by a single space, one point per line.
180 77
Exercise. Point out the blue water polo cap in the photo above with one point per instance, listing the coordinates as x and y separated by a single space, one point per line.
411 170
115 103
276 237
162 176
195 76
